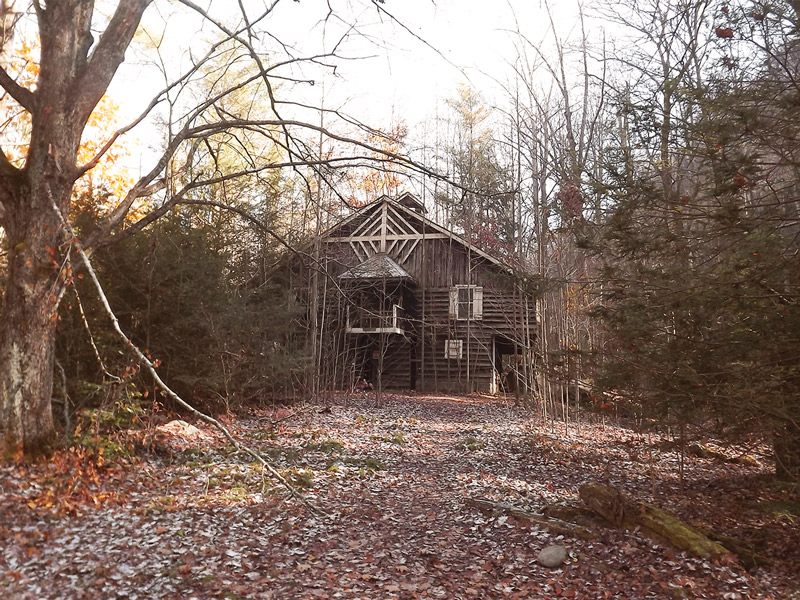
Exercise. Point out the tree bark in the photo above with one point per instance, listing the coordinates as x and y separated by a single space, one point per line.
70 84
36 277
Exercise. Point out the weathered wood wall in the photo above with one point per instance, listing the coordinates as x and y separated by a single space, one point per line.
418 359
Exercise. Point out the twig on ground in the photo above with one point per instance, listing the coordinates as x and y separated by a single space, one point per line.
555 526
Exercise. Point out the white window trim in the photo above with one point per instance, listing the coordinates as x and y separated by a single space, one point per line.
477 303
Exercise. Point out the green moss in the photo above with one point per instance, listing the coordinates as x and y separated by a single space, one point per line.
290 455
325 446
263 434
789 511
396 438
370 464
299 478
471 444
235 494
363 467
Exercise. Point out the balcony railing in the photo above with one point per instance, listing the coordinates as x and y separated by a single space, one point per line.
362 320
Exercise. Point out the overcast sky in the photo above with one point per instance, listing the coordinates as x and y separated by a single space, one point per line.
447 42
402 69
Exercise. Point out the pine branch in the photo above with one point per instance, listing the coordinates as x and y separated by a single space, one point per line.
240 447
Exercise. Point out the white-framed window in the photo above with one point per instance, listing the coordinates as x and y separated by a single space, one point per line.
466 302
453 349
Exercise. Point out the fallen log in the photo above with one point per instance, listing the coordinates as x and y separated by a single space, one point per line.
746 553
555 526
701 451
653 522
575 515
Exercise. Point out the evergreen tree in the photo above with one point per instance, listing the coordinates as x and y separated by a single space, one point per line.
700 239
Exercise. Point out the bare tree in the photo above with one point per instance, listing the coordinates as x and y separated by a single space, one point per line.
78 63
557 111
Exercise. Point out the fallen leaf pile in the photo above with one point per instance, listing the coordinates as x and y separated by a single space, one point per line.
194 519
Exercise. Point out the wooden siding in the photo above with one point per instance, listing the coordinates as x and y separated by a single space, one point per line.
436 262
504 317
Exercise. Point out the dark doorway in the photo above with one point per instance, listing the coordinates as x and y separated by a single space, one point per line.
509 366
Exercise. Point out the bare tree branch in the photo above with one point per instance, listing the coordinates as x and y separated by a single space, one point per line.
142 357
107 56
22 95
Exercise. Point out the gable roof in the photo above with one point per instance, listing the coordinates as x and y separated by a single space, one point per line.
425 222
409 200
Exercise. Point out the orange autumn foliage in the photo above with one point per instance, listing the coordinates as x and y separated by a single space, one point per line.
105 184
108 182
71 481
366 185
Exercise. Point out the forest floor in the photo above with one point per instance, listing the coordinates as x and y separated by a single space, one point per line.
190 518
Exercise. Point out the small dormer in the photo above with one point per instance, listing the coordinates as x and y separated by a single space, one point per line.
409 200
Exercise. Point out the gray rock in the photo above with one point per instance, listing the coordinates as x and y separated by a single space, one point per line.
552 556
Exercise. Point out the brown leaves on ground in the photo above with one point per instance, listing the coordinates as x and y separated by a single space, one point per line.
74 479
196 520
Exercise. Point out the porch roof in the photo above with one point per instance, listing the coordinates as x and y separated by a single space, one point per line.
379 266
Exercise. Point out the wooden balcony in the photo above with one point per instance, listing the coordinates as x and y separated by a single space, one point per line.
362 320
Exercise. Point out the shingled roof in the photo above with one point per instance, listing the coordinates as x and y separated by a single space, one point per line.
379 266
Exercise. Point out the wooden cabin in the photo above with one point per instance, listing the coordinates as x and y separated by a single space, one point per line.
399 301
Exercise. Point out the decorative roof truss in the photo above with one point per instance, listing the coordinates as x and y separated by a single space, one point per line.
389 231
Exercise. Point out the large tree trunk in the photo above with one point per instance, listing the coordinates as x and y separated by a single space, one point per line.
35 281
36 242
70 84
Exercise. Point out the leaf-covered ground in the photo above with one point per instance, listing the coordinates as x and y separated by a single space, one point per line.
194 520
